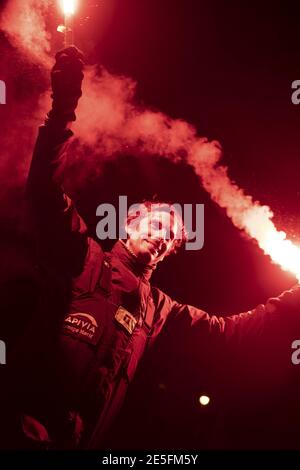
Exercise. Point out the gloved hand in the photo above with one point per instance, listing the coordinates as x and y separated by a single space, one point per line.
66 79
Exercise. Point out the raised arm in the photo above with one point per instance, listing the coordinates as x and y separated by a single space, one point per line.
59 229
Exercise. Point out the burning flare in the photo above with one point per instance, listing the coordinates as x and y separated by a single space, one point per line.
246 214
69 7
271 241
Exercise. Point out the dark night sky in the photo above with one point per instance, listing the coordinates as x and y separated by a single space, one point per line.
226 67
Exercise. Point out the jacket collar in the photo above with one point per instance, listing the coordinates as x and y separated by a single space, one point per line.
130 261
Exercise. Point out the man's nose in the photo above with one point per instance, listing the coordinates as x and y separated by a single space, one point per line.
163 246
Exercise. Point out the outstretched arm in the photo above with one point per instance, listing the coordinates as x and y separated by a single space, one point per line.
285 308
59 229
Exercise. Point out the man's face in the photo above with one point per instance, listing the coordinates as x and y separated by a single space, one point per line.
151 237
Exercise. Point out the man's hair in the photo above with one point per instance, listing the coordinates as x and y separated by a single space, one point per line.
142 209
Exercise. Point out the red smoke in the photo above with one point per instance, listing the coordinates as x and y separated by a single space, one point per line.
109 121
24 23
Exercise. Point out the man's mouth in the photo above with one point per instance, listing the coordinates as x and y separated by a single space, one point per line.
154 248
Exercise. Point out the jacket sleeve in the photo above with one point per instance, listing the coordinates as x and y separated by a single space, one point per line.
283 310
60 232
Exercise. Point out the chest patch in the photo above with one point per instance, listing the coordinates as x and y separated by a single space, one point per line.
83 326
124 318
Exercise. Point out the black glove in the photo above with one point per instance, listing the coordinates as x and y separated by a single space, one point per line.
66 79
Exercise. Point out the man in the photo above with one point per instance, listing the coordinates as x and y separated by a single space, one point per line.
100 311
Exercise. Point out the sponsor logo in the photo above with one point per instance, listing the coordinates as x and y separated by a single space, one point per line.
83 326
124 318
